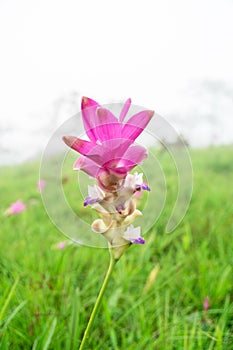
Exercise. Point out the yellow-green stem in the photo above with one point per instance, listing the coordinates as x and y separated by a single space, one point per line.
98 300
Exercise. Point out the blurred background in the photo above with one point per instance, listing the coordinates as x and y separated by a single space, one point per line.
175 57
171 56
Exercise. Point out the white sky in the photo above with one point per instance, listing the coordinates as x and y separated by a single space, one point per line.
155 52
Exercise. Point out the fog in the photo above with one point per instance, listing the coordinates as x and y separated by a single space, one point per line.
172 57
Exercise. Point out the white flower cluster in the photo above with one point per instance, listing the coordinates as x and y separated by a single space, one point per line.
117 211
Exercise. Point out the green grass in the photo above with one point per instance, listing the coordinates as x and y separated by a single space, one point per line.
46 295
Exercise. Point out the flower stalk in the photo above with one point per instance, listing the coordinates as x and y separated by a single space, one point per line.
112 263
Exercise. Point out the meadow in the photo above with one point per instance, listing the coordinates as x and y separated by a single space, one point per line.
155 297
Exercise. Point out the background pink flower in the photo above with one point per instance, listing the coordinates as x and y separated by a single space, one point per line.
15 208
40 185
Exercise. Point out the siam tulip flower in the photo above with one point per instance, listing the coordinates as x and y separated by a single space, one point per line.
40 185
15 208
108 157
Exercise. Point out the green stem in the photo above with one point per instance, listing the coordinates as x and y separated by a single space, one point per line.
98 300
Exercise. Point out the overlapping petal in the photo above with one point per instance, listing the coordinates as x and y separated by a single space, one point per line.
87 165
82 146
110 149
100 124
136 124
88 107
133 156
125 110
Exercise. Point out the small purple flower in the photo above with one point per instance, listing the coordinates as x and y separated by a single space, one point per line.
88 200
95 194
133 234
135 182
139 240
145 187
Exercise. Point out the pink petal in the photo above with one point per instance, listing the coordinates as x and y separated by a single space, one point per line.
105 156
100 124
117 160
114 149
125 110
88 102
100 154
120 170
107 126
136 124
105 116
107 132
133 156
87 165
86 148
89 107
110 150
78 145
91 150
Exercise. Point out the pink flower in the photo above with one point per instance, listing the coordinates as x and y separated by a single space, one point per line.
40 185
15 208
62 245
109 155
206 303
